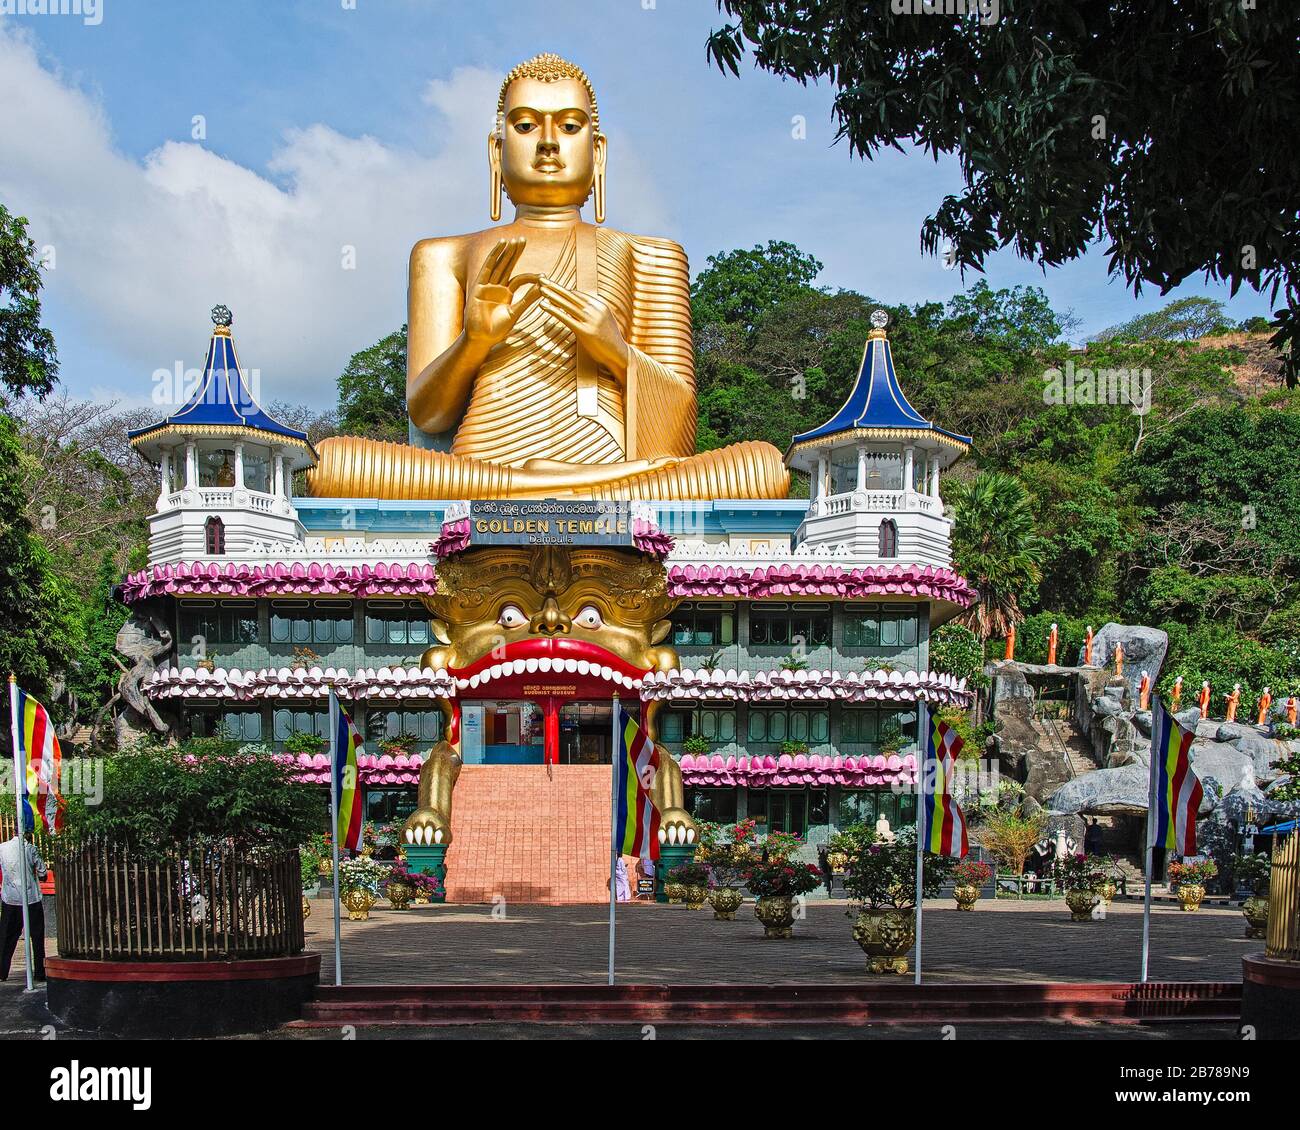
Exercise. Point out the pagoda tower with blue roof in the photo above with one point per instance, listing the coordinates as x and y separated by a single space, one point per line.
874 470
225 466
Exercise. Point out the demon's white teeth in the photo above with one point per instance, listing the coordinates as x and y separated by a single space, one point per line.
606 673
494 672
571 666
530 665
583 667
475 680
462 684
544 664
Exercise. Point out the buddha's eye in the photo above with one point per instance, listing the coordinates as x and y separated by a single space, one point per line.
512 617
589 617
525 127
571 127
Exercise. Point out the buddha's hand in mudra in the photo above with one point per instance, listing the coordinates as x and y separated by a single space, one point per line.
591 320
496 299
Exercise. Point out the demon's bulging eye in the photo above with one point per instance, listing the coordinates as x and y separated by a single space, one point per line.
512 617
589 617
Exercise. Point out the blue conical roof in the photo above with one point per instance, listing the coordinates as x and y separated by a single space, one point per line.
877 406
222 400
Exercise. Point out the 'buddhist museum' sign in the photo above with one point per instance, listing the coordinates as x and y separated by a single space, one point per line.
550 522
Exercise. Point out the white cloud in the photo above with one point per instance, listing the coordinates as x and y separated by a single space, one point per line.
145 248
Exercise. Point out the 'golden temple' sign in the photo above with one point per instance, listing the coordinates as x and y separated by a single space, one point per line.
550 522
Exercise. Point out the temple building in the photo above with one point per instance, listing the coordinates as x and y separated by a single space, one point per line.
801 627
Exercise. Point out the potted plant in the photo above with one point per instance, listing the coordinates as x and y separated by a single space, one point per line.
695 745
1254 871
726 874
1191 876
780 845
399 886
846 843
794 748
694 881
1106 886
882 882
359 883
322 849
969 876
309 866
776 883
891 738
1079 876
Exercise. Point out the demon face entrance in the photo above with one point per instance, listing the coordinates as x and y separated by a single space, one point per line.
550 731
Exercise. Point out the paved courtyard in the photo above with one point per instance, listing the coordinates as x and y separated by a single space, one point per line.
1000 941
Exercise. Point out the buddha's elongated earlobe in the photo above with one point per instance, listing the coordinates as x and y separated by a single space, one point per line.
494 185
601 154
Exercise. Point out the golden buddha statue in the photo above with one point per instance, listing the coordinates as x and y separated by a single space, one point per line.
549 357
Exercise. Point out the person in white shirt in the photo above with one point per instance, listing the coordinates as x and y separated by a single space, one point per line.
23 869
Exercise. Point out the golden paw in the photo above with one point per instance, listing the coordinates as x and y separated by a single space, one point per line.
425 827
677 828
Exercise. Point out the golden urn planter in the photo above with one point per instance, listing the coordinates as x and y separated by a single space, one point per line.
696 895
358 902
1190 895
1080 904
399 895
725 902
776 912
674 891
966 896
1255 910
325 867
1106 891
837 861
885 936
306 907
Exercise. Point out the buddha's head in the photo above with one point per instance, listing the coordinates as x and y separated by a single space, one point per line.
547 148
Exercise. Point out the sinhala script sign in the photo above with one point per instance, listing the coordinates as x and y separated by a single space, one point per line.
550 522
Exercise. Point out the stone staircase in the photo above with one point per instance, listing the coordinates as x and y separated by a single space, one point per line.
530 834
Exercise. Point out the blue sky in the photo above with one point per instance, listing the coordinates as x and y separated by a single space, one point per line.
330 127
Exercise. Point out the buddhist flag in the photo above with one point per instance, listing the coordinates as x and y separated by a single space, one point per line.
39 762
945 825
1175 789
345 747
636 824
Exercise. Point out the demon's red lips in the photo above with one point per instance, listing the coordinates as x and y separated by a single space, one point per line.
555 656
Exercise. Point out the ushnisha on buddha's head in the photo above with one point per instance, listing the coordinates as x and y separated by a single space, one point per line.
546 148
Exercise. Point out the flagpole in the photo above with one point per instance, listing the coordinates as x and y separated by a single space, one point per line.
334 832
1157 709
20 789
923 722
613 825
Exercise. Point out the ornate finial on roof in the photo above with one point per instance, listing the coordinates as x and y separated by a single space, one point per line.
879 320
222 318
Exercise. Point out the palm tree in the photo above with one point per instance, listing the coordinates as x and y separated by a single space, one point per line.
996 548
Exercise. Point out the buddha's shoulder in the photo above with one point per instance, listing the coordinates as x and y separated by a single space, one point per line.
650 248
443 248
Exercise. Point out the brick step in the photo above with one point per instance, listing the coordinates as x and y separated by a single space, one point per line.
530 834
792 1004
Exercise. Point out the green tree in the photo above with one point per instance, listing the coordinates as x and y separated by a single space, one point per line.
28 359
738 287
995 547
1089 118
1184 320
40 624
372 391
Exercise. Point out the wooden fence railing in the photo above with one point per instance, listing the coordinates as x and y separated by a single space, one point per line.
196 902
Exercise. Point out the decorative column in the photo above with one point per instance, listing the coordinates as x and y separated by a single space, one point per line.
551 730
164 476
239 466
820 496
191 466
279 475
909 465
934 476
862 466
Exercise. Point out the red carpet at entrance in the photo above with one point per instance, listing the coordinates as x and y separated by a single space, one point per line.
530 833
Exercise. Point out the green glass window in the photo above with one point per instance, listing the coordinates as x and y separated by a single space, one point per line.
704 624
397 622
715 724
874 625
317 621
865 724
285 723
786 625
424 725
236 725
209 622
717 806
866 806
799 725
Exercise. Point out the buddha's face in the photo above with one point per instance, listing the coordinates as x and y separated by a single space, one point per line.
549 149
